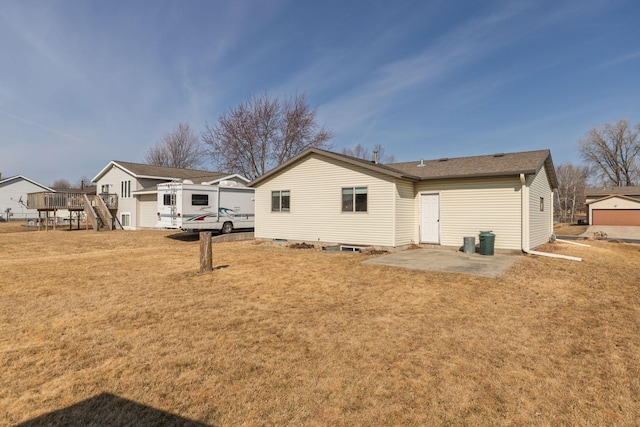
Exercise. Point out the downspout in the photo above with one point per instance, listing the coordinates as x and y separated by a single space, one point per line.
524 193
394 224
525 225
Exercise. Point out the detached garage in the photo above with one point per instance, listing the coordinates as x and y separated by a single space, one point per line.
620 208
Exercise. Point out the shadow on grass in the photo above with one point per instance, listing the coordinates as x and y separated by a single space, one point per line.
185 236
107 409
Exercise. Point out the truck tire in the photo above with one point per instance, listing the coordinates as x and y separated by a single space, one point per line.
227 227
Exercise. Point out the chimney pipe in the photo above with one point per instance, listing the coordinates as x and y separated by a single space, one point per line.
375 157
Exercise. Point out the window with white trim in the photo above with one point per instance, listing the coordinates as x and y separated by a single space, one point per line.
280 201
125 189
125 219
354 199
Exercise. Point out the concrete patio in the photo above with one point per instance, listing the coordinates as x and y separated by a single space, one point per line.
450 261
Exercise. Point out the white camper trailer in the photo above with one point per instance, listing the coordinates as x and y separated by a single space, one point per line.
225 206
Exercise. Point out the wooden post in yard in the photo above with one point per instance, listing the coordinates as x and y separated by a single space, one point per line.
206 255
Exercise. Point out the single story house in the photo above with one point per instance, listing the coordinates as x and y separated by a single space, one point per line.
322 196
13 197
613 206
135 186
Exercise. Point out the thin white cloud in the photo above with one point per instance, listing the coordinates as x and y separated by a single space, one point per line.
462 46
39 125
621 59
38 29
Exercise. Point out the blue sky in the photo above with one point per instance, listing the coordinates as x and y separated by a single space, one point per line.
86 82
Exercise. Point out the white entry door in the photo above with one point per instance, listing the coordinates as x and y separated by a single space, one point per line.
430 218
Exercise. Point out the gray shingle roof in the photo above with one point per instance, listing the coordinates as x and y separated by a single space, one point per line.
142 170
608 191
503 164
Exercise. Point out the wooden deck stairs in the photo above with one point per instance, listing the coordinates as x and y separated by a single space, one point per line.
98 212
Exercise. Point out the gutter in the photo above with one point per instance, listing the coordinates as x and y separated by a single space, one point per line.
525 225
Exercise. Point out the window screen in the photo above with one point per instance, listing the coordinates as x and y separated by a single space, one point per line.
199 199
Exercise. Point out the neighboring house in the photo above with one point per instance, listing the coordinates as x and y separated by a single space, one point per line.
321 196
613 206
13 196
135 185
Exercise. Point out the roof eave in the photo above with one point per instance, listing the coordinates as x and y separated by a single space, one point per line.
481 175
613 196
11 178
335 156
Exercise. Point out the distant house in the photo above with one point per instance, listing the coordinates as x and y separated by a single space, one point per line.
321 196
13 197
613 206
135 186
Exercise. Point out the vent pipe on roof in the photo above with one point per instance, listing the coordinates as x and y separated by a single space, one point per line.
375 157
421 165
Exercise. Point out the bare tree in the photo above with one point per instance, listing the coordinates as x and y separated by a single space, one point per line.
180 148
262 133
570 196
61 184
614 150
363 152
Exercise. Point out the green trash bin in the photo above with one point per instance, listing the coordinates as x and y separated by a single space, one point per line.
487 240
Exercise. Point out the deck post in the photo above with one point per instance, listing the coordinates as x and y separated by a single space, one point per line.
206 255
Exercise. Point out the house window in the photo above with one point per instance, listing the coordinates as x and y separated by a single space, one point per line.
280 201
200 199
541 204
125 219
169 199
354 199
125 188
104 189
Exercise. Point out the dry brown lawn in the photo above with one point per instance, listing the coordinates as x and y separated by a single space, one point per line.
278 336
569 229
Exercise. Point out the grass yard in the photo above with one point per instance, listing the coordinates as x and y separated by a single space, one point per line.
569 229
278 336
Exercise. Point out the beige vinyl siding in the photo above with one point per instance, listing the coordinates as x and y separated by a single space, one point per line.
615 203
146 183
315 184
114 177
540 223
404 222
469 206
147 210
